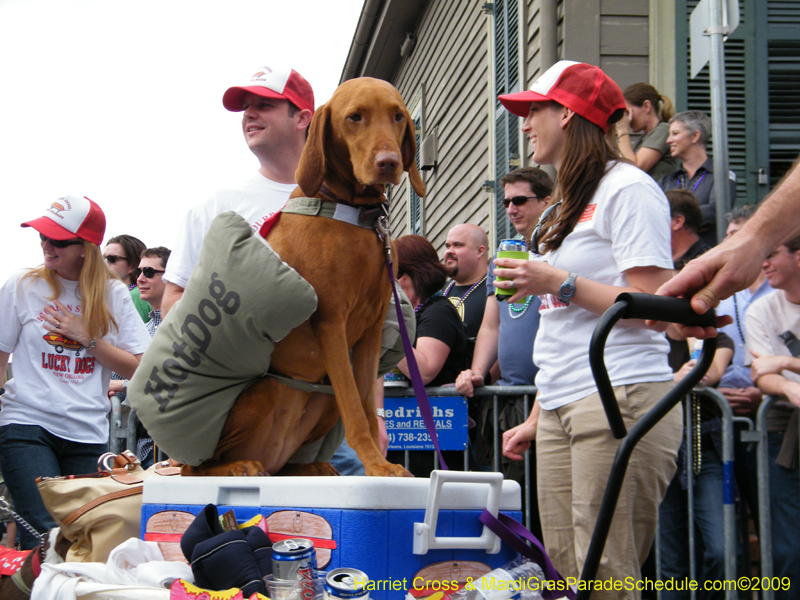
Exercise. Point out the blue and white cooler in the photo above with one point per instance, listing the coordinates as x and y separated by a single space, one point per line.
401 532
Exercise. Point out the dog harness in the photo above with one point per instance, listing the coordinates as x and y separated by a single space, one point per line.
360 216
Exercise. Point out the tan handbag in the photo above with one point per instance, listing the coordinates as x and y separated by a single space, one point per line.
99 511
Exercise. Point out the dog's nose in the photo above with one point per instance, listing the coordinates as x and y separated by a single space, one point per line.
387 162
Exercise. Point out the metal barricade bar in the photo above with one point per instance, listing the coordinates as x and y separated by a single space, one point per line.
526 391
728 483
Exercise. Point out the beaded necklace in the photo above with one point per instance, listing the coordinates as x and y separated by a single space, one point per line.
459 301
421 304
519 311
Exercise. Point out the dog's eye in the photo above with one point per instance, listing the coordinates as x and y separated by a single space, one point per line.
355 117
399 117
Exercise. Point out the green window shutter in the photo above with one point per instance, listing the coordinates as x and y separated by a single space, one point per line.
783 56
762 63
506 81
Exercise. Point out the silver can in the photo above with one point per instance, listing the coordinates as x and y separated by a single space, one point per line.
295 559
346 583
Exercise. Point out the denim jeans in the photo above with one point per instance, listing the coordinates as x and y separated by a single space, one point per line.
346 461
30 451
784 505
673 518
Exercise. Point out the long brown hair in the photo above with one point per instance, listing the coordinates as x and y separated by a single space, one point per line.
587 153
92 285
637 93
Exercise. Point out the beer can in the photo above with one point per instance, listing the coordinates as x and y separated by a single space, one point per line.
296 559
345 583
509 249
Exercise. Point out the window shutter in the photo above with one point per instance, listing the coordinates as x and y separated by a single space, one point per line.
783 25
506 20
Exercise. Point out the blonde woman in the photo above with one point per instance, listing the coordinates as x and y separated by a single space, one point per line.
69 323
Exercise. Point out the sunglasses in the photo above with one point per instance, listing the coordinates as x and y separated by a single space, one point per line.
518 200
149 272
538 229
113 258
60 243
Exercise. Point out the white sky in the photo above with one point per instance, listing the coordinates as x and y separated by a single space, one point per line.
122 102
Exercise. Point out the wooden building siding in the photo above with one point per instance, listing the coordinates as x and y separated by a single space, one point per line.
450 59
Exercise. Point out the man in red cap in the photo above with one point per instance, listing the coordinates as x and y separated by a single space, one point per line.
276 105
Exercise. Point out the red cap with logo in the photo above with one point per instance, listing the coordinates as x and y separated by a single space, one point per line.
70 217
270 82
580 87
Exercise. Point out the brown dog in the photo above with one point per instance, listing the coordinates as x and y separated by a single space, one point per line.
358 142
19 586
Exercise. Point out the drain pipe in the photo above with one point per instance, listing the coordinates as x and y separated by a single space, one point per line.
361 39
489 185
548 49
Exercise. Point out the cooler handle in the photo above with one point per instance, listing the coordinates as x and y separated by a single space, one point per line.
425 533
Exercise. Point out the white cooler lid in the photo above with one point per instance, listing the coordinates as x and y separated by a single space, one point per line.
364 493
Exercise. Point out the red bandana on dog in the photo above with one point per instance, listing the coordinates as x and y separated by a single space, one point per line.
11 560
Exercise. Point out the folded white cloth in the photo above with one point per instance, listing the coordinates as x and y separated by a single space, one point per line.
132 564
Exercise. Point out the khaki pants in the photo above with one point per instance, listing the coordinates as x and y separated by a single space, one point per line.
575 451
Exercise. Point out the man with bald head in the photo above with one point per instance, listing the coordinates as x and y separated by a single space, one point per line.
466 259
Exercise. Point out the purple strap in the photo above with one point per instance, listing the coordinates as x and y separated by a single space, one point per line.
513 533
413 369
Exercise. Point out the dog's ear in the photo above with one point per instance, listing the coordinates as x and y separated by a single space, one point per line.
409 151
311 169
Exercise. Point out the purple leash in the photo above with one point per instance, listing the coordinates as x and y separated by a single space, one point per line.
416 379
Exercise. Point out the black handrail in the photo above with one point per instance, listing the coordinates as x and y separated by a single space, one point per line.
635 306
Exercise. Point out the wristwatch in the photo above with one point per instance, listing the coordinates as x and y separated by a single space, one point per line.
567 289
92 344
125 385
381 413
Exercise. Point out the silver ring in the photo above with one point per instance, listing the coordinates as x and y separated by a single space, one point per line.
58 324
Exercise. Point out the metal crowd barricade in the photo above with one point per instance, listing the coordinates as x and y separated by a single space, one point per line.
121 436
764 515
528 392
729 487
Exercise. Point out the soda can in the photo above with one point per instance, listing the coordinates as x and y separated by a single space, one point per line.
346 583
295 559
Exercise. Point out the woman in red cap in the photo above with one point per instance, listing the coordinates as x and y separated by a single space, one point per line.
605 232
69 322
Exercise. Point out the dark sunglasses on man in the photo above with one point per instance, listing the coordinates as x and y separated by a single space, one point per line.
518 200
60 243
113 258
149 272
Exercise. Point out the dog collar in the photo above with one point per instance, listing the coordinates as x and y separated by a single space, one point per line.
360 216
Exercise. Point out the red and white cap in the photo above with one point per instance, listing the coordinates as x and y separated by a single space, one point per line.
580 87
70 217
271 82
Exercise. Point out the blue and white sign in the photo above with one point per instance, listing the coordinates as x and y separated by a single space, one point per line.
406 429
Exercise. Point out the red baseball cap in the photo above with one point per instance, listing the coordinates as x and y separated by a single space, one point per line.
269 82
70 217
580 87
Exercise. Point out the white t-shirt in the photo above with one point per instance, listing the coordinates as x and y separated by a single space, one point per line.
766 319
255 200
57 383
625 225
